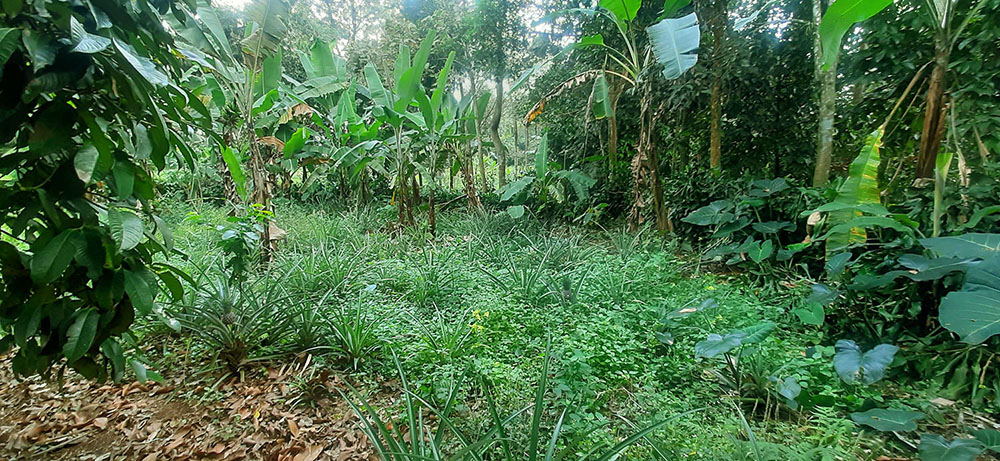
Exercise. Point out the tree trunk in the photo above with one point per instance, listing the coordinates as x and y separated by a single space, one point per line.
720 20
934 119
498 145
479 134
469 182
827 80
616 92
645 166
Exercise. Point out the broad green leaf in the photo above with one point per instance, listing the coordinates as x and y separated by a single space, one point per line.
140 291
861 187
623 10
789 389
964 246
714 213
113 351
768 187
672 7
542 157
515 211
716 345
85 42
207 16
513 188
124 175
140 64
8 43
580 182
27 323
41 48
442 83
888 420
126 228
81 333
49 262
602 102
840 18
810 314
934 268
836 264
141 373
409 83
760 252
164 230
853 366
296 142
822 295
935 448
989 438
379 94
973 313
772 227
675 44
85 161
757 333
235 170
978 216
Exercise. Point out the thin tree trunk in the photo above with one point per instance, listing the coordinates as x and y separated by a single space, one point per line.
934 119
827 106
719 21
479 134
498 145
616 92
469 182
645 166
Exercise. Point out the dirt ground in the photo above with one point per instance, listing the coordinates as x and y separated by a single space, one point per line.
268 416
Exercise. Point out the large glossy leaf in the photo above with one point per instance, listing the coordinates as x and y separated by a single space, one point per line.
235 170
810 314
270 27
513 188
714 213
126 228
974 245
139 289
85 161
760 252
296 142
772 227
85 42
853 366
580 182
973 313
409 83
623 10
675 44
888 420
839 18
601 101
140 64
860 188
933 447
81 333
542 157
990 438
768 187
716 345
220 42
8 43
54 258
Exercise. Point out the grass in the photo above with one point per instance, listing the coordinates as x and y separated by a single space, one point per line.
480 303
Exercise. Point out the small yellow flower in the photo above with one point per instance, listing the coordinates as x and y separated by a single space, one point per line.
710 287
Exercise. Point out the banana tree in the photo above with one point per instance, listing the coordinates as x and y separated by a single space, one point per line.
672 44
948 25
391 107
247 94
548 184
329 97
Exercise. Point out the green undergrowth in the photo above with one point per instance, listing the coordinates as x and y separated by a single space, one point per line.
479 302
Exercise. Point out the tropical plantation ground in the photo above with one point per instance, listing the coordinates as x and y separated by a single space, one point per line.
483 230
455 306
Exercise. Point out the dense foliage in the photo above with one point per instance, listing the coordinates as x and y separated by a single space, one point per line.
807 193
